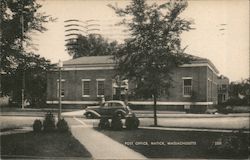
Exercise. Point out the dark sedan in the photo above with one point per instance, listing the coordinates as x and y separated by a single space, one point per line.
108 109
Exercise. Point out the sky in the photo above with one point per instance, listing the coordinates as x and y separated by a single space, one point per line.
221 31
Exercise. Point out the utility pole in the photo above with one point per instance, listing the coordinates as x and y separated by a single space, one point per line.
23 72
60 65
1 71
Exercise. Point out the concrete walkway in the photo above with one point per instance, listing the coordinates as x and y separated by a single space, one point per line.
98 144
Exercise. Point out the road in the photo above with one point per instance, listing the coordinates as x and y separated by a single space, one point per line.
206 123
230 121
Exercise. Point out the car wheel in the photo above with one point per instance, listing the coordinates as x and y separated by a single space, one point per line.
120 114
89 115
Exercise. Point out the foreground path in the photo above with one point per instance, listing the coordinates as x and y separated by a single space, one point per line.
98 144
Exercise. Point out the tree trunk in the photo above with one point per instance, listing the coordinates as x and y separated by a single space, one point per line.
155 115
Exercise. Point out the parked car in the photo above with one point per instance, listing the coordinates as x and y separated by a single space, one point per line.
108 109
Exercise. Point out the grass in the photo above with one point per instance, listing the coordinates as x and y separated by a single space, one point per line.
170 144
40 145
9 129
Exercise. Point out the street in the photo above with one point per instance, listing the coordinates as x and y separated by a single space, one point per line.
173 120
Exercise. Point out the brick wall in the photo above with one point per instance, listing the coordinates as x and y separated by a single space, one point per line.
212 80
198 75
73 84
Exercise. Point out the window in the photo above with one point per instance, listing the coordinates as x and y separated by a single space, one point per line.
62 88
100 87
115 104
111 105
187 86
85 87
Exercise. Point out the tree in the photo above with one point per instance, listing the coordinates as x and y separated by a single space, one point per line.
239 92
18 19
91 45
33 71
154 49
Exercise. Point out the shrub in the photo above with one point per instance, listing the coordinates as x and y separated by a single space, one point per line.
62 126
116 123
132 122
37 125
49 122
104 123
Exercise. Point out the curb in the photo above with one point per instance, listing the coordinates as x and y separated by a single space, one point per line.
195 129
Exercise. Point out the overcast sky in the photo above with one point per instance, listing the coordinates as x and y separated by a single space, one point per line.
221 34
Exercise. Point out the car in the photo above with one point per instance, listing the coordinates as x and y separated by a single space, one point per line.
108 109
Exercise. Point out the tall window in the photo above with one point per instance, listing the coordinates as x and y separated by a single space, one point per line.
187 86
100 87
85 87
62 88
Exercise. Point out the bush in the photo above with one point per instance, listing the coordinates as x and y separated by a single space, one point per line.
116 123
235 102
37 125
62 126
104 123
49 122
132 122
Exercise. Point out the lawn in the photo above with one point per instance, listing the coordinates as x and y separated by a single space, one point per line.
154 143
40 145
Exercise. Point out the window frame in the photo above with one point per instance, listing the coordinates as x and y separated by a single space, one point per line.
85 80
183 86
97 87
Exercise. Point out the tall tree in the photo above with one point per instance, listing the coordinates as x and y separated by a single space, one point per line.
33 72
18 19
91 45
154 48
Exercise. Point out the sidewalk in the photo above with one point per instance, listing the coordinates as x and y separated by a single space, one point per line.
98 144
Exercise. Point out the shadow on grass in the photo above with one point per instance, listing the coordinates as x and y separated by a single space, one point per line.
183 144
53 144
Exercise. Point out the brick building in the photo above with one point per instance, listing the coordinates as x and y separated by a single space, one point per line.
86 79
